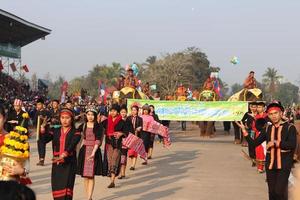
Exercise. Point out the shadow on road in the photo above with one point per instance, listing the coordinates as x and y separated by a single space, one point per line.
167 169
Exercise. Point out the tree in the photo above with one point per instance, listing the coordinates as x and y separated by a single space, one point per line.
236 88
55 88
287 93
200 66
189 67
271 80
34 81
47 77
169 72
76 84
151 60
106 74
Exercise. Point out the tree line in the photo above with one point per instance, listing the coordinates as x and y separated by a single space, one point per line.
189 67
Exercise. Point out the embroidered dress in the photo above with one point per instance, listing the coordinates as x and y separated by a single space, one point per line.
90 167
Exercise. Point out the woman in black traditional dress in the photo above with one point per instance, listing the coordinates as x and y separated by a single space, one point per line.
129 128
115 131
90 158
64 141
137 124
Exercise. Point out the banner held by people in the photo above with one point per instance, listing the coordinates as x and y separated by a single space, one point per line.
196 110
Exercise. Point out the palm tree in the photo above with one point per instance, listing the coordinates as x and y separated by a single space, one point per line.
271 80
151 60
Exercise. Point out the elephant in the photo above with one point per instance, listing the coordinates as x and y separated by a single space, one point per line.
208 95
125 93
247 95
207 128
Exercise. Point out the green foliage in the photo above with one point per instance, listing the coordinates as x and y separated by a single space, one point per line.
54 88
287 93
189 67
271 81
236 88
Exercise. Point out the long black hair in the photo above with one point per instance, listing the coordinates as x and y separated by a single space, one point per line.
13 190
2 111
97 126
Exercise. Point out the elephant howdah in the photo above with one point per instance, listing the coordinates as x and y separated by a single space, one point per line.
247 95
128 93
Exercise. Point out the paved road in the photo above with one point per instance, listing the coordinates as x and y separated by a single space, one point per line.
194 168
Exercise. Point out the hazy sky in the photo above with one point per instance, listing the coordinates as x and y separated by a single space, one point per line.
262 33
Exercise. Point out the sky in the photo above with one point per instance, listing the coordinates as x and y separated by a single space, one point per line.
261 33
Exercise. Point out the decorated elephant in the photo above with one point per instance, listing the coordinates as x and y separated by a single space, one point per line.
207 128
208 95
247 95
127 93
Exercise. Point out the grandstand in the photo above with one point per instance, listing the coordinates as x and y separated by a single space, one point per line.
16 33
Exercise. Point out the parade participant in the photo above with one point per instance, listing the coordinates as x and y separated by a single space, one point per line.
259 150
12 190
145 135
152 136
15 116
289 115
208 84
248 120
146 89
181 96
250 81
281 143
121 82
90 158
129 128
227 127
156 96
17 169
43 114
115 131
2 122
54 112
69 105
131 80
64 141
137 123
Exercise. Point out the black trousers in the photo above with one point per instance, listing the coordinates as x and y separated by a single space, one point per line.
41 148
237 131
251 149
145 136
278 183
227 126
41 144
183 125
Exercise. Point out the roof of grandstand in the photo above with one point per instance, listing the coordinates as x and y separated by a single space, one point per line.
19 32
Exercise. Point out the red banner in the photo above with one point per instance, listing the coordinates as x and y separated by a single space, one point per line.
25 68
13 67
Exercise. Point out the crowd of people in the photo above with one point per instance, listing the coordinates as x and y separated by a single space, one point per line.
10 89
90 126
272 142
79 132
